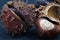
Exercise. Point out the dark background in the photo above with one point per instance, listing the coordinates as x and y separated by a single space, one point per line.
31 35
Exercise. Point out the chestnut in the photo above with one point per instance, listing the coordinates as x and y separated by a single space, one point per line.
46 27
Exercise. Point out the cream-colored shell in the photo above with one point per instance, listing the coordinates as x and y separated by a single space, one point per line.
45 11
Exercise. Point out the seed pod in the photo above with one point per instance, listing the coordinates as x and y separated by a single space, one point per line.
11 21
16 21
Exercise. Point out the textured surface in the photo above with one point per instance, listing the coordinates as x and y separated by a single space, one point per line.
27 36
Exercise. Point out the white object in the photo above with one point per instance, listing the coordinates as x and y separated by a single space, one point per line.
46 25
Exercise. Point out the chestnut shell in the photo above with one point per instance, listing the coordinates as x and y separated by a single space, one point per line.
11 22
16 20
